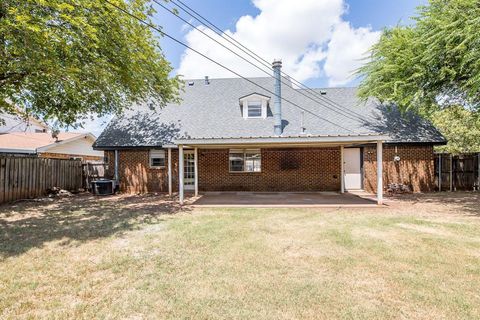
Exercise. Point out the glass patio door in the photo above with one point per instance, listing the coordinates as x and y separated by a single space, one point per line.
189 170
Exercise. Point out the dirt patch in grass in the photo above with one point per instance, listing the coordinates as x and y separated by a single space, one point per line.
142 257
28 224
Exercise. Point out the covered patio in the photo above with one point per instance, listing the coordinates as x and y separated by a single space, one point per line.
260 197
285 200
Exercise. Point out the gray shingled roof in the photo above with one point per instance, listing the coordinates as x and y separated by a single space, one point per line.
213 111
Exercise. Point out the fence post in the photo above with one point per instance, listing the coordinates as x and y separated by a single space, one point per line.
439 172
2 179
451 172
478 173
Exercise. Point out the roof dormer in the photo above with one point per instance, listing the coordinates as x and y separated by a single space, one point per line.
254 106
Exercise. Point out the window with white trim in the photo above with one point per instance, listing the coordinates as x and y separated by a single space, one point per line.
157 158
245 160
254 109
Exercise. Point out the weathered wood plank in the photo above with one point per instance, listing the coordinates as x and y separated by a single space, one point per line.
15 179
34 180
27 177
8 173
2 179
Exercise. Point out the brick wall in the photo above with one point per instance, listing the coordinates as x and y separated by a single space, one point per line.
306 169
312 169
135 173
415 168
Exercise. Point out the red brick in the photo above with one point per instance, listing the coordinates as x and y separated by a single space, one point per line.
415 168
289 169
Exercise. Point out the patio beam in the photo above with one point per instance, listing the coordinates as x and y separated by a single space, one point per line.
342 170
195 159
180 173
170 171
379 172
116 160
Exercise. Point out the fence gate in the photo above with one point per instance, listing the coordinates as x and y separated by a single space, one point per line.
93 171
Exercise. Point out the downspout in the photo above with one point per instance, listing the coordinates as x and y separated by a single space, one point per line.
277 99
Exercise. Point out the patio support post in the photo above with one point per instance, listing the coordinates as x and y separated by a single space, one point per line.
180 173
116 169
170 171
195 157
342 170
379 173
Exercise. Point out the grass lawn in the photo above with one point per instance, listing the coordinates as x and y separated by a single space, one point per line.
141 258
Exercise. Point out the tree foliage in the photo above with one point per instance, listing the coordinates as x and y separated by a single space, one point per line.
461 127
431 66
433 63
65 59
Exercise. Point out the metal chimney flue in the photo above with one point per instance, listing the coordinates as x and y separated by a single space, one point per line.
277 100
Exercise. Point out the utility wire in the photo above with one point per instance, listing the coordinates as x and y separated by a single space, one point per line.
197 16
148 24
343 112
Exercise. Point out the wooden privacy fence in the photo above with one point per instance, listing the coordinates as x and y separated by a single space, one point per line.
457 172
30 177
93 171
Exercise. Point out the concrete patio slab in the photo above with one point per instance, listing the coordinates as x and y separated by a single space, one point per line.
284 199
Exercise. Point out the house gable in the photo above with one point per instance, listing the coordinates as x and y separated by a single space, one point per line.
253 102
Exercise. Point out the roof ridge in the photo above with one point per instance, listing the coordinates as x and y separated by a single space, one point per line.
223 78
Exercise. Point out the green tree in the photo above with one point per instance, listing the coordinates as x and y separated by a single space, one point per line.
431 66
461 127
65 59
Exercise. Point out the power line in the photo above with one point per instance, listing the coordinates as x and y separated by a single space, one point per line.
148 24
197 16
343 112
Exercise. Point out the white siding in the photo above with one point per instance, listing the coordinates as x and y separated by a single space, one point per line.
16 124
82 146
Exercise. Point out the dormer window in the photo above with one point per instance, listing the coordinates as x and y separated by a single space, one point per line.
254 109
254 106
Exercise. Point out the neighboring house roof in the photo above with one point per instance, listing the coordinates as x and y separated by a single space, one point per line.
213 111
27 142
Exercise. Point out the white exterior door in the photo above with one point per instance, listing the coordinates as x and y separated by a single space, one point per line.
353 171
189 170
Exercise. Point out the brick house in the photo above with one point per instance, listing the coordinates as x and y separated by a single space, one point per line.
231 135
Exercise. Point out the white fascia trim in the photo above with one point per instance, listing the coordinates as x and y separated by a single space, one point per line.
283 140
83 135
27 151
255 96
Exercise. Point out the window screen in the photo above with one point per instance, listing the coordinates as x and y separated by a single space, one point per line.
157 158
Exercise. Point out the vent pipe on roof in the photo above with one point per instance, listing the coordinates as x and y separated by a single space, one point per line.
277 100
207 81
302 122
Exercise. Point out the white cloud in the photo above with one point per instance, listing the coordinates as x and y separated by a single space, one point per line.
347 51
305 34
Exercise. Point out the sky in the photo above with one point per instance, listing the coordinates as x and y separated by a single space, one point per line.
321 42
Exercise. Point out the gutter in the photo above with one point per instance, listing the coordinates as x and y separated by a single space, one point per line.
26 151
297 140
